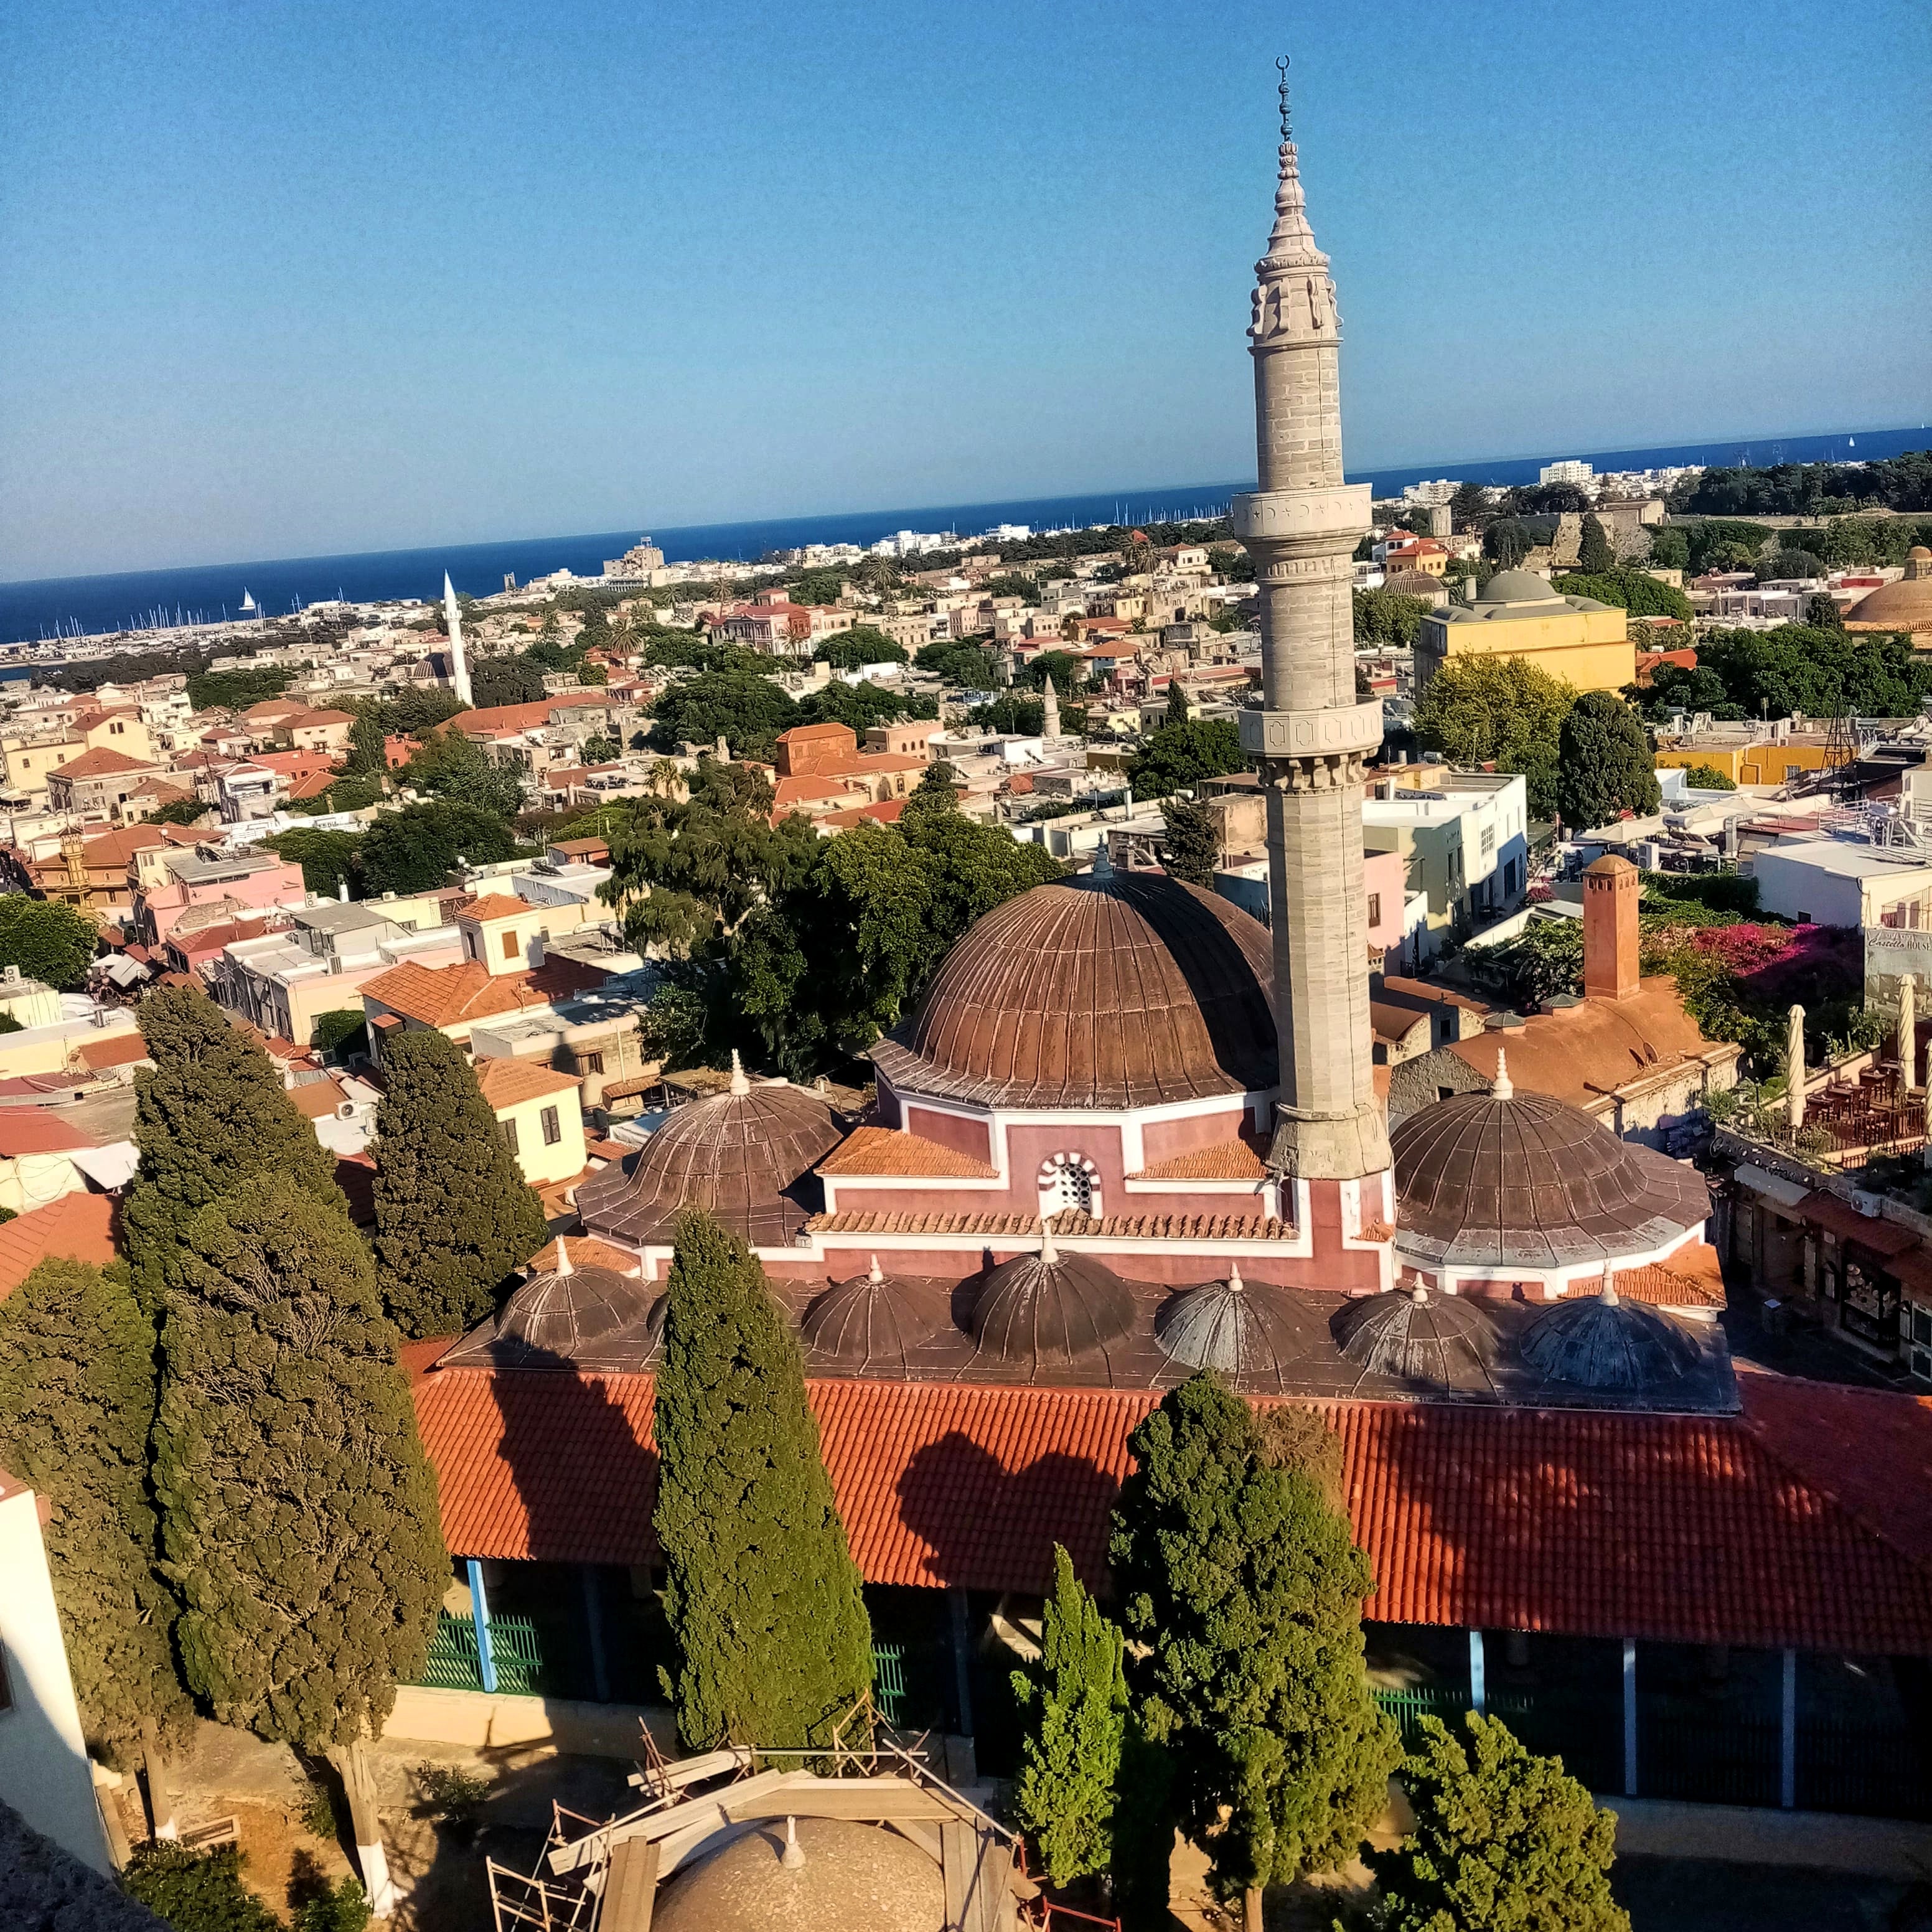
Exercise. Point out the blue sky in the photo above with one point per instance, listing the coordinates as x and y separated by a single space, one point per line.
298 278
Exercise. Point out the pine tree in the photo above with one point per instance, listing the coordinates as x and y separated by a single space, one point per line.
76 1406
1191 847
298 1513
210 1112
1595 553
1603 763
1177 711
1242 1585
773 1642
1076 1697
453 1214
1505 1842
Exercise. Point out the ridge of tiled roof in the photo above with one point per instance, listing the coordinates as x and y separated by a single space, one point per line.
885 1152
1226 1160
101 763
1684 1529
440 996
507 1082
1067 1226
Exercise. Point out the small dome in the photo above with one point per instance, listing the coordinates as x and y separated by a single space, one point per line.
868 1324
739 1154
1906 605
1502 1179
1408 1335
1115 990
852 1878
1051 1308
561 1314
1918 553
1254 1337
1413 583
1518 587
1603 1342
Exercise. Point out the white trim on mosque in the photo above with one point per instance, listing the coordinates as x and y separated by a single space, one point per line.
1586 1277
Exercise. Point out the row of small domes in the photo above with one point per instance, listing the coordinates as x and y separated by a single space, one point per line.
1052 1308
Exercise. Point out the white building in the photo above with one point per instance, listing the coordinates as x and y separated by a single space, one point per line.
44 1772
1430 495
1571 470
1842 882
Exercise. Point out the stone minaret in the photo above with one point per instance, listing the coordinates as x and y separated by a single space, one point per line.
1050 718
1311 735
459 662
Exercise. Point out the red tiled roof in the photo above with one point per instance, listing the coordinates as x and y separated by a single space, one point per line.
586 1251
509 1082
875 1151
498 905
101 763
441 996
25 1130
1226 1160
77 1227
1881 1237
316 1099
126 1049
1686 1529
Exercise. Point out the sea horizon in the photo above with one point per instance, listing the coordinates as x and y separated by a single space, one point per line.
33 610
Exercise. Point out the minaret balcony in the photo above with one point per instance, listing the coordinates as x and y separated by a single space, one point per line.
1340 511
1300 734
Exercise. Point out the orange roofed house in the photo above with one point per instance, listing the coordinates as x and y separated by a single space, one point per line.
821 770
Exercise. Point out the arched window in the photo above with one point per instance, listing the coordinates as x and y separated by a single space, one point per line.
1069 1184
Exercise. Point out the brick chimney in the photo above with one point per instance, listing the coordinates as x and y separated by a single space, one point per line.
1611 888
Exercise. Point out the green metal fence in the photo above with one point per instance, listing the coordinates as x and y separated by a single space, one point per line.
518 1649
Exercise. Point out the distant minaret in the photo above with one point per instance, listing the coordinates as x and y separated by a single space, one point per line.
1310 741
1050 726
459 665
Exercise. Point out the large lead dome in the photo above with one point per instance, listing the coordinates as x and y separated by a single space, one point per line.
1117 990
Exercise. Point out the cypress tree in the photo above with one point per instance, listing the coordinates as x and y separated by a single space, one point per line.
298 1514
772 1639
1603 763
1595 553
1241 1583
208 1113
1076 1698
1504 1841
1191 848
76 1406
453 1213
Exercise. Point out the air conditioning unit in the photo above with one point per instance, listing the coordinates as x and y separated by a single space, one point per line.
347 1112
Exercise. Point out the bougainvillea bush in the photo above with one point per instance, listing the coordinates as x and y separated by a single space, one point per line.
1738 981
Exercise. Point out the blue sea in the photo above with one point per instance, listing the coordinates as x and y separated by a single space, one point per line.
134 600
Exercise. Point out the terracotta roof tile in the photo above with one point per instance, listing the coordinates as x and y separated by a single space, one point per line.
1226 1160
77 1227
126 1049
441 996
508 1083
101 763
873 1152
25 1130
1671 1529
586 1251
316 1099
498 905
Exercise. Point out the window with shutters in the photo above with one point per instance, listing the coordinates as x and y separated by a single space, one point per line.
553 1128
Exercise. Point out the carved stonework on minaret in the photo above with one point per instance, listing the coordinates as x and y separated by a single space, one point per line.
1310 735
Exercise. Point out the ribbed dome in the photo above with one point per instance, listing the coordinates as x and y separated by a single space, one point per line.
738 1153
868 1324
1253 1336
1117 990
1906 604
561 1313
1603 1341
1408 1335
1506 1179
1050 1309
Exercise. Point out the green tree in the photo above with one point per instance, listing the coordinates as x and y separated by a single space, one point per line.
1506 542
1388 617
1074 1699
959 663
236 690
76 1406
1190 848
511 678
196 1891
861 705
1069 673
178 811
48 941
1477 710
773 1643
598 750
1636 591
1603 763
416 850
1708 778
453 767
1799 563
1240 1585
327 859
1594 550
453 1214
747 711
1178 757
863 644
1469 507
1504 1841
209 1114
1177 711
299 1513
1821 612
1669 549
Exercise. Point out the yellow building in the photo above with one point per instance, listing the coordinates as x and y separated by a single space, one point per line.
540 1117
1520 615
1750 755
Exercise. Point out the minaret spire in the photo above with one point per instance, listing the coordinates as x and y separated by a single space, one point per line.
1309 735
459 664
